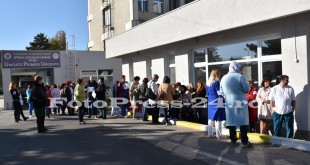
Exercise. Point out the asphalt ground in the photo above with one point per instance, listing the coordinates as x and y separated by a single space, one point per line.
123 141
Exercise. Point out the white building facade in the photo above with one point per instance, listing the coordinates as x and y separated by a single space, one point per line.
268 38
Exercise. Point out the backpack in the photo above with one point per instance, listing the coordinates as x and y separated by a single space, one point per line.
149 94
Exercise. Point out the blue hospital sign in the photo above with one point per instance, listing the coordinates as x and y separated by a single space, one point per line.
30 59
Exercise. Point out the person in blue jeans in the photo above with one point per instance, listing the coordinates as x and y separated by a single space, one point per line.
123 92
283 104
28 93
167 92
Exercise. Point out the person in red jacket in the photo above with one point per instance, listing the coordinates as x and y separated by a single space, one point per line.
252 106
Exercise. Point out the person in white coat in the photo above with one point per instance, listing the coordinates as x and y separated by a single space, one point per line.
283 104
264 111
233 87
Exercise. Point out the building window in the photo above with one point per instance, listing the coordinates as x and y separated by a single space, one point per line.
108 77
106 24
248 69
158 6
199 56
142 5
250 55
271 47
200 74
173 4
199 59
88 73
107 74
272 70
107 17
240 51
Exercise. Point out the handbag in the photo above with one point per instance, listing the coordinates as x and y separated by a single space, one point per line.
160 95
149 94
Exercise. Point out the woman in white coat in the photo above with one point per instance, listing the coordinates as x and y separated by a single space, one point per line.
233 87
264 113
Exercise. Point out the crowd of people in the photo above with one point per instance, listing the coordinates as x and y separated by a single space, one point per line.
232 99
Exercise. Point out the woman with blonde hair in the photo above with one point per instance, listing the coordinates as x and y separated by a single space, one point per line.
216 113
16 97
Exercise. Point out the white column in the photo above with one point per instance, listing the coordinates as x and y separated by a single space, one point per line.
139 69
158 68
181 69
125 71
6 78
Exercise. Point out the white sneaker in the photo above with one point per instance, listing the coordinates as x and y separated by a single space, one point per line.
30 116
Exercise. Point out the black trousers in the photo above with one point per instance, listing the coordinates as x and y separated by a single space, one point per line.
40 123
187 114
243 130
155 113
82 111
40 114
174 113
18 110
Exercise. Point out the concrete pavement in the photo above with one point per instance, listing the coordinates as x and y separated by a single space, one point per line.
127 141
253 137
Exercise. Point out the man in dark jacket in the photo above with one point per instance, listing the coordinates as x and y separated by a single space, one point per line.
38 98
69 96
90 87
100 96
142 97
115 110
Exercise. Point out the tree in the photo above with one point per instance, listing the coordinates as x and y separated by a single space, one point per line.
59 41
269 47
40 42
213 55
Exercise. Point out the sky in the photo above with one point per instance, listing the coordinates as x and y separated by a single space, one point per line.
22 20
